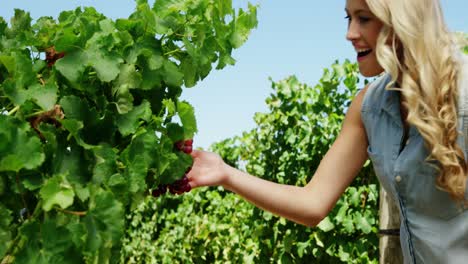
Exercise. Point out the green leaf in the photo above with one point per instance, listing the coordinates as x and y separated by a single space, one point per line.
242 24
170 107
23 150
20 68
362 223
16 94
56 240
72 65
355 197
9 62
172 75
117 180
155 61
343 255
145 145
348 225
124 99
105 221
56 191
326 225
74 127
82 192
190 72
31 252
176 166
66 40
52 245
32 182
187 117
302 248
128 123
45 96
107 66
151 79
318 241
175 132
129 76
340 216
136 174
106 163
83 122
20 22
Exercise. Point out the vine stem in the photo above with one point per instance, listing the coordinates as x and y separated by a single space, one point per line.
13 110
173 51
78 213
7 260
36 113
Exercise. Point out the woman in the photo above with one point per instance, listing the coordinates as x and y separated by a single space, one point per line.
406 122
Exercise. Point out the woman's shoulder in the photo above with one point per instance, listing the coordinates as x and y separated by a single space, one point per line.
373 93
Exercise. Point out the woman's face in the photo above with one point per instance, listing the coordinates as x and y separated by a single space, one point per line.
363 31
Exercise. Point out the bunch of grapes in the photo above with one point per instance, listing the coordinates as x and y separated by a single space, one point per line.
182 185
184 145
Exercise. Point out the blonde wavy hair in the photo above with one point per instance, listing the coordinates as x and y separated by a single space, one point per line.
415 43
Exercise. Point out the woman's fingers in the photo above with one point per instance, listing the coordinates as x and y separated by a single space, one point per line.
195 153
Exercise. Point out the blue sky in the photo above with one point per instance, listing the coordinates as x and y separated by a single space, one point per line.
298 37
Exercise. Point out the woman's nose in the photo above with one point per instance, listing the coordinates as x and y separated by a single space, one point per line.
353 31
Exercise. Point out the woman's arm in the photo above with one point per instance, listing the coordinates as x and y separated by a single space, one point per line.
305 205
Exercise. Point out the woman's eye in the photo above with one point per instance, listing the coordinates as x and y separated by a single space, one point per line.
363 19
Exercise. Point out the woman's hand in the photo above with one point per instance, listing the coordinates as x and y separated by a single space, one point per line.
208 169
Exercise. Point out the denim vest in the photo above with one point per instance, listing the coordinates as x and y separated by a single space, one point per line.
434 229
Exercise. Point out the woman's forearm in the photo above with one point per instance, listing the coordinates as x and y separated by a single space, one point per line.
292 202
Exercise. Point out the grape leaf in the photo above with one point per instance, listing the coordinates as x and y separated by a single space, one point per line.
187 117
72 65
242 25
105 221
106 163
22 150
107 66
20 23
172 75
44 95
136 174
56 191
129 122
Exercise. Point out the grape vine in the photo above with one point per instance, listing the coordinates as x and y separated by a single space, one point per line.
88 110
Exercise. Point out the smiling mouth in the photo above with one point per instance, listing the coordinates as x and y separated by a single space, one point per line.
364 53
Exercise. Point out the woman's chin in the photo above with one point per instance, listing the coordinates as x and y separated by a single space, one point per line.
370 72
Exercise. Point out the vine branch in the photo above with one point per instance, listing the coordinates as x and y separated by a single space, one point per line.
78 213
